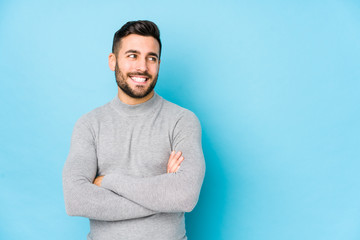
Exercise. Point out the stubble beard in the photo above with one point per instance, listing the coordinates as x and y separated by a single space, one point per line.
125 87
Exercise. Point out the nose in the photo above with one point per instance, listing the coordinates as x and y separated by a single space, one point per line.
141 65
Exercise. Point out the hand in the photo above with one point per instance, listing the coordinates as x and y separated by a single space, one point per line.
174 162
97 180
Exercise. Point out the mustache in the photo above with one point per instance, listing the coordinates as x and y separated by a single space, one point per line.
145 74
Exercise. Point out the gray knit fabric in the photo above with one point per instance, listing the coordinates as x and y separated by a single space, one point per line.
130 145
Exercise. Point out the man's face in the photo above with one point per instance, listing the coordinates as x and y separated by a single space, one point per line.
137 65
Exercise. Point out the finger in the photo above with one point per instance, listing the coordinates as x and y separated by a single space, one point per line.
177 155
172 154
176 164
98 180
173 160
173 157
180 160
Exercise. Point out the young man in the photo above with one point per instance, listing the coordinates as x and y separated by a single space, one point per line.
135 164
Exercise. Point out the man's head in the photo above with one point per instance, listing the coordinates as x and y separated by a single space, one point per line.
142 28
135 58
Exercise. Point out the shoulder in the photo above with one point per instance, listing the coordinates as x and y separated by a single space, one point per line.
94 116
180 114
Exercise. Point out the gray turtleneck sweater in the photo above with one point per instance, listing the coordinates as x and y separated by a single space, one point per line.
130 145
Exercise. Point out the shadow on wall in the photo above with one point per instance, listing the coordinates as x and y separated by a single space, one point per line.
206 220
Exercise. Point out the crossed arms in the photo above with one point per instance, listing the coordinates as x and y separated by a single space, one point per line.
173 165
123 197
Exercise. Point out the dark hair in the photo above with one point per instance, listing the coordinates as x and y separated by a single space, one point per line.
141 27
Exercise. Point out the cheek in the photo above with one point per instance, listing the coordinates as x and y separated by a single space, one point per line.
125 66
154 69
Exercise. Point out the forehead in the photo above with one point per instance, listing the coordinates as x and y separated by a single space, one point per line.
143 44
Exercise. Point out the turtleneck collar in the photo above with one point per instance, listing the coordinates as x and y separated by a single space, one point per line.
137 109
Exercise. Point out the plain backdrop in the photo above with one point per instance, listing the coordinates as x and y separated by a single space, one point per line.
275 85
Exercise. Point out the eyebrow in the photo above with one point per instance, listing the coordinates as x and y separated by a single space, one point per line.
132 51
153 54
136 51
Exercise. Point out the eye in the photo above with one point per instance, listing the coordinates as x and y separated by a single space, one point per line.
153 59
132 56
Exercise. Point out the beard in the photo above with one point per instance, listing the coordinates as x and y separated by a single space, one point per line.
140 91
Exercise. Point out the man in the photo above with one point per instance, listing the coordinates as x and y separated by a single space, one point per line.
135 164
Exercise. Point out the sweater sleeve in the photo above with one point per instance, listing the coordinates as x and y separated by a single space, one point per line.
82 197
169 192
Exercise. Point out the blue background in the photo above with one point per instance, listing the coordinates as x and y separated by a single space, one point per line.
275 85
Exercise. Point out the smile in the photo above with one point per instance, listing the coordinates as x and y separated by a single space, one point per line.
139 79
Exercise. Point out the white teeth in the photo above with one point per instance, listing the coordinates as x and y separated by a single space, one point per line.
138 79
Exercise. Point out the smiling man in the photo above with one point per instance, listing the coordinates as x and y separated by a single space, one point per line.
135 164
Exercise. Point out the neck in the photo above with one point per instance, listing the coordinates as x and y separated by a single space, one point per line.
133 101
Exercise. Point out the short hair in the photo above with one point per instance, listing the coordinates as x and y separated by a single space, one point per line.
140 27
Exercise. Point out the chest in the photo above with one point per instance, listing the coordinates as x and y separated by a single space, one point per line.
134 147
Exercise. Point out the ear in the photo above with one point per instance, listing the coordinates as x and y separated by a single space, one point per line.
112 61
